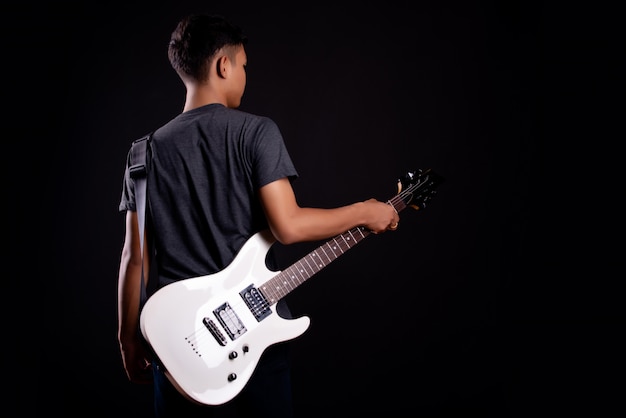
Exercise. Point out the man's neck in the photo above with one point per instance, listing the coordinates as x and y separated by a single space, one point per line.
197 97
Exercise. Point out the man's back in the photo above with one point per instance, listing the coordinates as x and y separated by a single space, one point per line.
205 169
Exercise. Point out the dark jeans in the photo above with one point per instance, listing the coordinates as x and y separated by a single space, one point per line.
267 394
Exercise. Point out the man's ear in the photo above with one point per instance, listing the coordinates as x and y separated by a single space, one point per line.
221 66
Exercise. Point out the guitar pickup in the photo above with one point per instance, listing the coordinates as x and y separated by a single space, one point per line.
230 321
256 302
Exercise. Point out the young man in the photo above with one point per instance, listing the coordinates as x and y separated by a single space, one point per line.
216 177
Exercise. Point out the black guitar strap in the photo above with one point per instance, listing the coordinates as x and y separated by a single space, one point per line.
139 172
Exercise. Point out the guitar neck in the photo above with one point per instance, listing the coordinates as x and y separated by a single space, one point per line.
299 272
419 190
287 280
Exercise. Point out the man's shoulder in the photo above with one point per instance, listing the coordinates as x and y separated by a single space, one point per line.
217 116
251 117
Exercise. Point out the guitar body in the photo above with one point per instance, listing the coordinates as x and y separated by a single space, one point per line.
206 336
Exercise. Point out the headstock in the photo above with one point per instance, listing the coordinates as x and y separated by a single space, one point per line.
416 188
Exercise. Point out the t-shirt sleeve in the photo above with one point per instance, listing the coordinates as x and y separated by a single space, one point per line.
127 201
271 158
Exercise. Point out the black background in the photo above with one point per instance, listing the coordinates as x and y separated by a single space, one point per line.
500 299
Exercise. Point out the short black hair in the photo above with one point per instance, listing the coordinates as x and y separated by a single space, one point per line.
196 40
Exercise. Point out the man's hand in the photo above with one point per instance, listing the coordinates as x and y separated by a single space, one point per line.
136 361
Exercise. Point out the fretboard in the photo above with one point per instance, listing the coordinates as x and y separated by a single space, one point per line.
287 280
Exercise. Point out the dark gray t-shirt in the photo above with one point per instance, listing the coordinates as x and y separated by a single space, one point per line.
205 170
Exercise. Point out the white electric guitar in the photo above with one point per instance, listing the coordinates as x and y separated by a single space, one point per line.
209 332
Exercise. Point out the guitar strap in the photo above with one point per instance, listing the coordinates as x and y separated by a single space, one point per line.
139 172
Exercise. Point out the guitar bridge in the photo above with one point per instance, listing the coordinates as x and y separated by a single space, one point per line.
258 305
221 339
